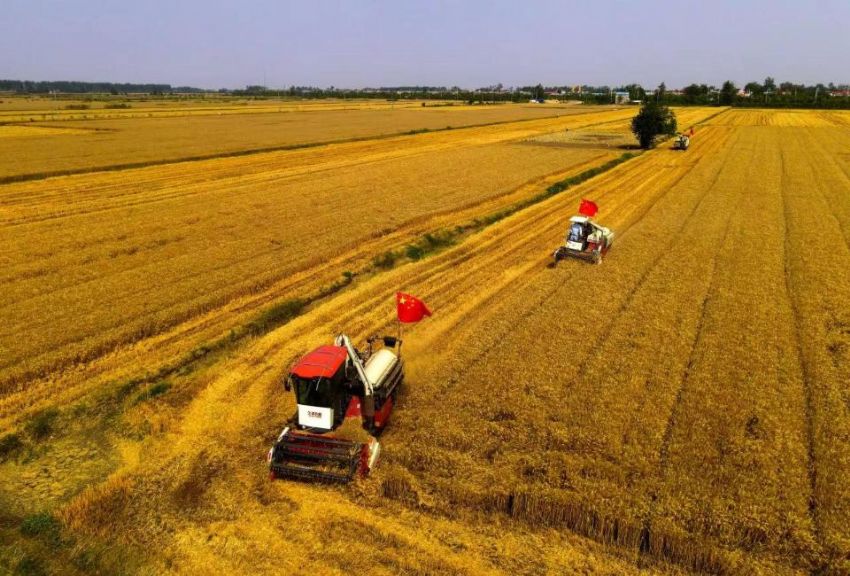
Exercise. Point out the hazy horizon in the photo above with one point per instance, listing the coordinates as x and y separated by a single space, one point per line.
443 43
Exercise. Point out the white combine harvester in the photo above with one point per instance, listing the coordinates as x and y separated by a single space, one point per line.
585 238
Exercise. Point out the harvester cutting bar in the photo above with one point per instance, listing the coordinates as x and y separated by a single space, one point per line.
311 457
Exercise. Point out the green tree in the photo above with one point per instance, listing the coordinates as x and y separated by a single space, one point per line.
538 93
636 92
769 84
661 91
728 93
695 93
652 120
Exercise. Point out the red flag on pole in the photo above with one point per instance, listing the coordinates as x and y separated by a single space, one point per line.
410 308
588 208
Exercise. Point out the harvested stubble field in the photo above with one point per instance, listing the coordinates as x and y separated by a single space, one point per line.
38 109
80 252
682 407
130 138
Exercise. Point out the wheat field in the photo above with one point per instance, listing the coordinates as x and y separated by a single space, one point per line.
681 408
179 223
40 148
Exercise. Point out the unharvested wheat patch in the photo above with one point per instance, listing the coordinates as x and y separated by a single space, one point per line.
12 131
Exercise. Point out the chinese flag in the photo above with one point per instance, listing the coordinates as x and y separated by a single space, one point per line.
691 132
588 208
410 308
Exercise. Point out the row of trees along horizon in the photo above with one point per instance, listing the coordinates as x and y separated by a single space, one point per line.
754 94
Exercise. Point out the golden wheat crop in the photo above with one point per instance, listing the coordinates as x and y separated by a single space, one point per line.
682 406
665 399
23 131
685 400
81 251
785 118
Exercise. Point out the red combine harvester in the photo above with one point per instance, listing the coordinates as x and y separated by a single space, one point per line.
344 399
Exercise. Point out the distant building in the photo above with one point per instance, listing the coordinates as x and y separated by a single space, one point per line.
621 98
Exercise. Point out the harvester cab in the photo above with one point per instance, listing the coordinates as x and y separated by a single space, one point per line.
344 399
585 238
682 142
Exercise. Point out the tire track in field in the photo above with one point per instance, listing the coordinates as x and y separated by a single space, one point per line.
629 177
614 318
664 449
838 168
805 369
726 480
826 412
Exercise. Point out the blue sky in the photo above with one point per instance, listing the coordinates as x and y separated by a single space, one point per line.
469 43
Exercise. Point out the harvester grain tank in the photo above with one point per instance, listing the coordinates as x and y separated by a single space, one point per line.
344 399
